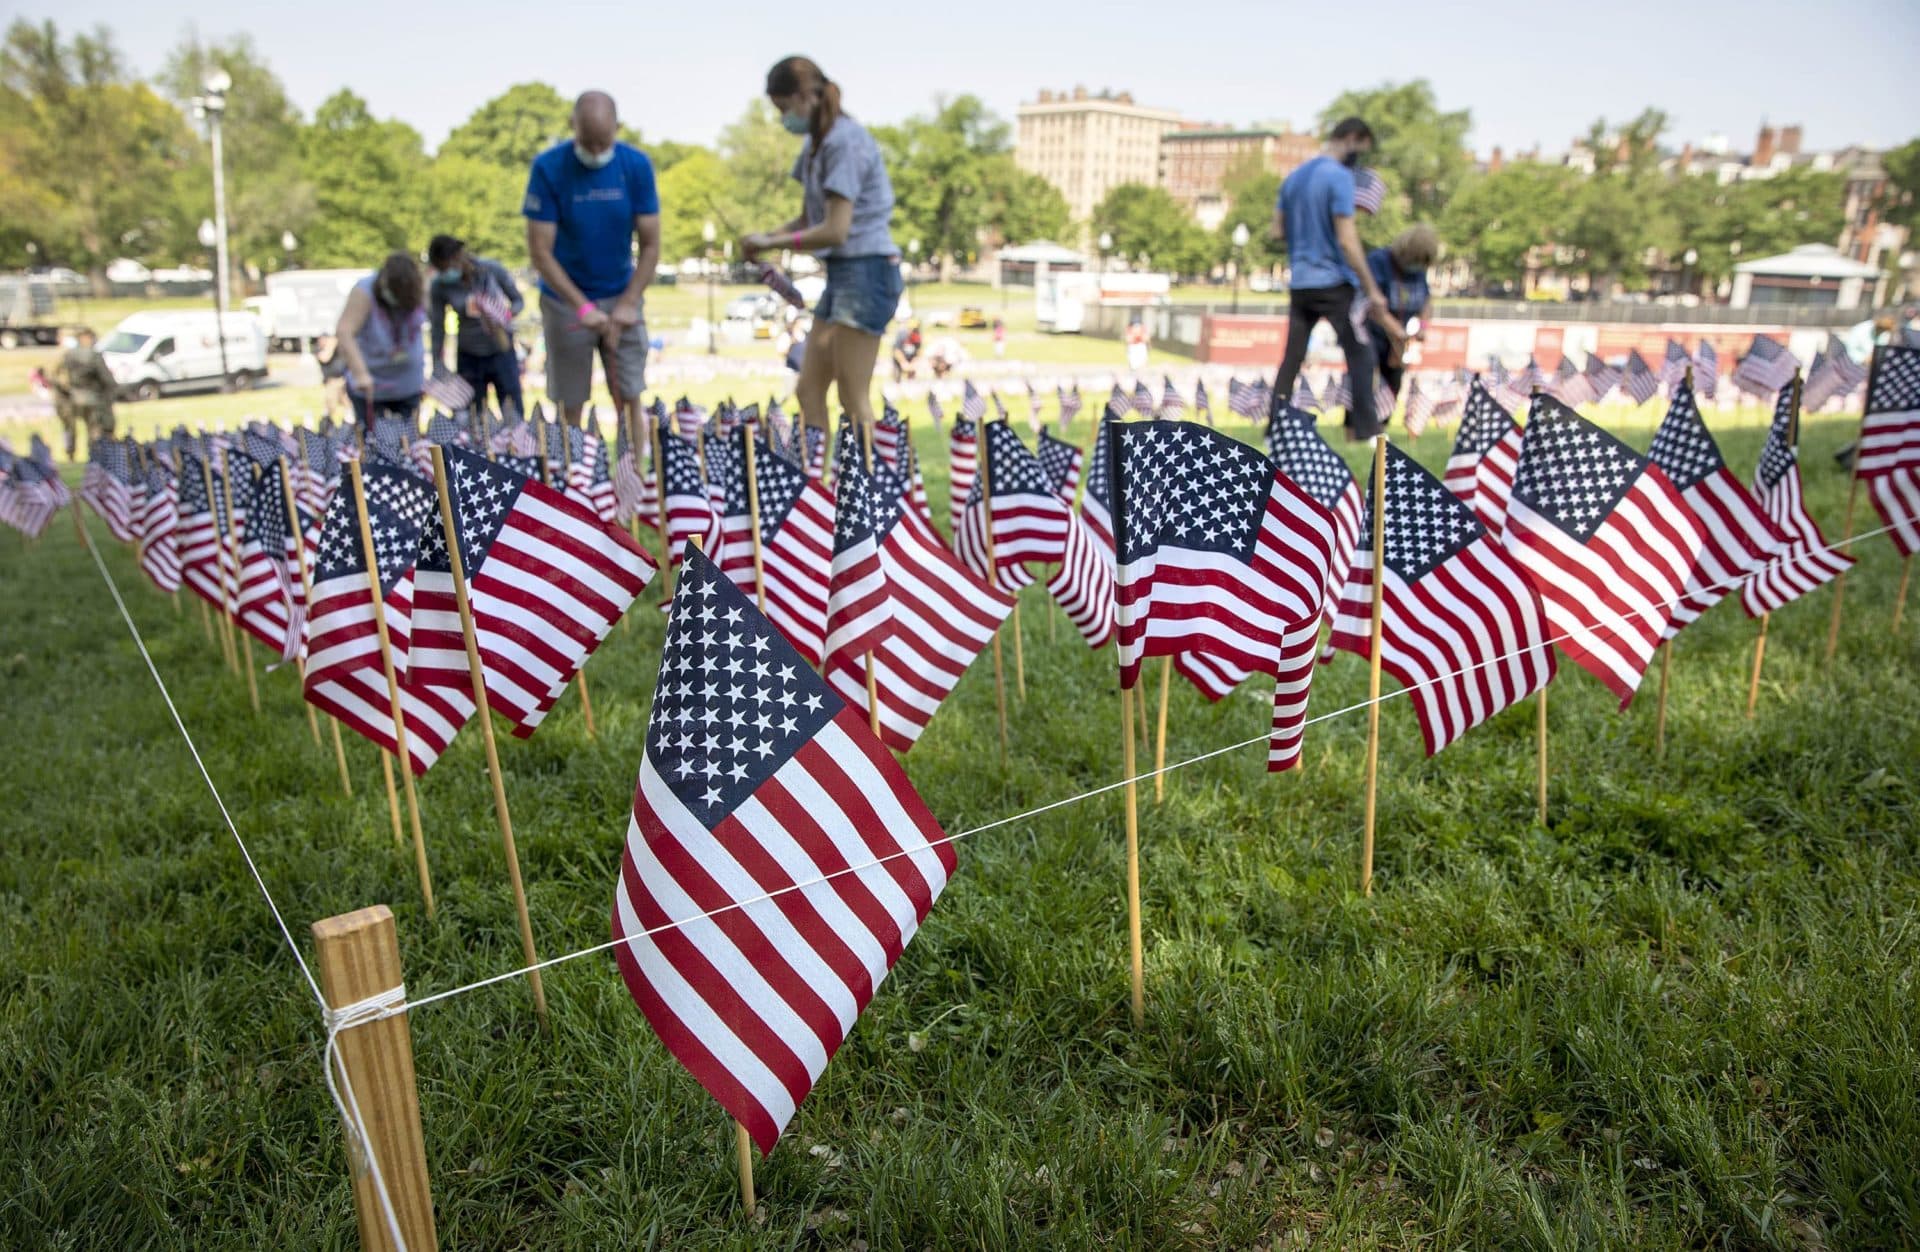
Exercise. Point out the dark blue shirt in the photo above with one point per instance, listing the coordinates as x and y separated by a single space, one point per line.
1310 198
1406 293
594 210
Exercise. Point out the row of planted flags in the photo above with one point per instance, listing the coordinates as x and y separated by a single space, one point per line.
778 859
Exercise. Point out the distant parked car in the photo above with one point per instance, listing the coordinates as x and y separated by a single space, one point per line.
127 270
183 274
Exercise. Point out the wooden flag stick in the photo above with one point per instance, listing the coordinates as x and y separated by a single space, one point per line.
1160 745
873 674
1660 707
1900 596
230 548
359 958
484 716
986 527
586 704
753 524
356 481
743 1146
220 560
660 498
1374 650
1846 539
1019 653
1136 955
393 797
1759 656
306 588
1541 705
206 621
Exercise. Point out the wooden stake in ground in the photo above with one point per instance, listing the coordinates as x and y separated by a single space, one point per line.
1660 706
1759 656
1160 744
393 796
1846 538
1019 653
1135 950
1374 650
986 527
1541 705
230 546
306 587
484 716
743 1146
356 482
1900 596
359 958
660 498
753 522
579 675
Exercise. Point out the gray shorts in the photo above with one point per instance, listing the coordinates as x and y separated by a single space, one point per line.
570 353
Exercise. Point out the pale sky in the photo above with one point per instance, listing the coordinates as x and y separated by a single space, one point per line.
1531 73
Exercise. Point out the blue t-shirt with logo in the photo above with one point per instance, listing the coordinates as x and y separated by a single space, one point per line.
594 210
1310 198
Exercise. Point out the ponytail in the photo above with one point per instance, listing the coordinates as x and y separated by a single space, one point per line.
825 112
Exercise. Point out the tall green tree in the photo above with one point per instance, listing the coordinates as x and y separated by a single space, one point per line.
1419 147
367 184
1903 184
97 142
268 193
689 190
1495 219
513 127
1020 207
478 202
938 165
1148 222
758 153
1252 190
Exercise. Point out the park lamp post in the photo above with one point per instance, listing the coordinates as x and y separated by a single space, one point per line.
213 107
707 234
1686 274
288 245
1106 246
1240 238
913 254
210 238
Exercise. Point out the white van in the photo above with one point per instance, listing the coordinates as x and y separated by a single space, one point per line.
156 354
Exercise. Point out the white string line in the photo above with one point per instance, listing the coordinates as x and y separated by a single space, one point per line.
1100 790
201 765
372 1009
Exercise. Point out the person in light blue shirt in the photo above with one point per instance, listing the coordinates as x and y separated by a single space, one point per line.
1314 215
846 203
587 201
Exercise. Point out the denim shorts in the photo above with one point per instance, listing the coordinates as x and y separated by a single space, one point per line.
862 292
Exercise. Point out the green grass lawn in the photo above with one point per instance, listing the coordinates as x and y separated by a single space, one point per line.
1680 1015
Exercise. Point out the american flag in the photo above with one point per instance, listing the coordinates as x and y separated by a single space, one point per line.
1673 370
1706 372
1070 405
942 618
1142 399
1033 408
816 441
1739 537
1200 402
1461 626
999 406
1369 191
546 581
1295 444
1639 381
201 532
937 414
345 676
796 539
888 433
317 471
1303 397
973 406
777 861
916 486
1241 400
493 306
1420 409
963 462
859 614
1218 553
632 495
1569 385
1888 455
1890 422
688 419
1807 562
159 512
1485 453
1062 463
1601 377
1497 377
1822 384
1336 393
1605 538
589 478
1851 372
1029 521
270 604
688 510
107 487
1171 403
1521 385
1083 585
780 430
1766 368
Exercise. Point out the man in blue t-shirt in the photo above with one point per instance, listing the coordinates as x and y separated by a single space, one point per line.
587 200
1329 270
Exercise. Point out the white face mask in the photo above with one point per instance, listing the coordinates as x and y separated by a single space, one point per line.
592 160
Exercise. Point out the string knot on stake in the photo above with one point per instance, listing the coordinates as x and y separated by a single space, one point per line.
361 1158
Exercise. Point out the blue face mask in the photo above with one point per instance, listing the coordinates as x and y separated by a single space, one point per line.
796 123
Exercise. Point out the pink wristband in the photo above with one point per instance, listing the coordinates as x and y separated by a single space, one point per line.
581 312
796 240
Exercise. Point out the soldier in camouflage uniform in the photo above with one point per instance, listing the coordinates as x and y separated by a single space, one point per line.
83 389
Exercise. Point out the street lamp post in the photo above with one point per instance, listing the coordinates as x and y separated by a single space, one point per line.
1686 275
1106 246
1240 238
210 238
707 234
213 107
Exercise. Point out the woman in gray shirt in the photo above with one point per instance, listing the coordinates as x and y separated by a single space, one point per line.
847 202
